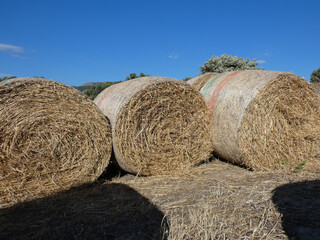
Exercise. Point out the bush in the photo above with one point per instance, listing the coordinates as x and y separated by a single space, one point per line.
93 91
315 76
6 78
226 63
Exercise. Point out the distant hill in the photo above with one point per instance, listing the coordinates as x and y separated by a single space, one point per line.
87 85
92 84
92 89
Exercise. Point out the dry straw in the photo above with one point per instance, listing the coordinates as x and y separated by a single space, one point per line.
159 125
264 119
316 86
199 81
51 138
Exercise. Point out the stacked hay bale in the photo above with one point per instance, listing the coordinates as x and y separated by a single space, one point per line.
264 119
159 125
199 81
51 138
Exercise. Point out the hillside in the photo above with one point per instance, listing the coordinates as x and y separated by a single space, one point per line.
87 85
90 84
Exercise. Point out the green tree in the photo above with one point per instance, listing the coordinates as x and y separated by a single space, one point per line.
134 75
226 63
6 78
94 91
315 76
186 79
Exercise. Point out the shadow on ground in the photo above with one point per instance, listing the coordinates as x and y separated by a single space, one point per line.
92 211
299 204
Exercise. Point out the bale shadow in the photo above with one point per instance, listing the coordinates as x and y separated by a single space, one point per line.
299 204
214 157
113 170
92 211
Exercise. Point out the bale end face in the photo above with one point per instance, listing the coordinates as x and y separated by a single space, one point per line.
163 128
51 138
281 126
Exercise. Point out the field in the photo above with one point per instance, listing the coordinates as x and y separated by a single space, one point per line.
215 200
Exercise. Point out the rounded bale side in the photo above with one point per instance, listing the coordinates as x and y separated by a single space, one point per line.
51 138
316 87
159 125
264 119
199 81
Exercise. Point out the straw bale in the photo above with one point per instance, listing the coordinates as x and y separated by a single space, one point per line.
264 119
316 86
159 125
199 81
51 138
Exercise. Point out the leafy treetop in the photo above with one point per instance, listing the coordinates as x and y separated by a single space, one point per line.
6 78
315 76
133 76
186 79
93 91
226 63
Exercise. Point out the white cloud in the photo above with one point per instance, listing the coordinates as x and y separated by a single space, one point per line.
173 56
261 61
18 56
2 75
12 48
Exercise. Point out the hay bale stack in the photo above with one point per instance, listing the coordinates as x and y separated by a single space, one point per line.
316 86
199 81
159 125
51 138
263 119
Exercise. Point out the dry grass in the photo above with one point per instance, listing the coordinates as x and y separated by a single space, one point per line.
222 201
216 200
51 138
264 119
316 86
160 125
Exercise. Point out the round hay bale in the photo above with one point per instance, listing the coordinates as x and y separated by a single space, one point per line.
316 86
51 138
199 81
159 125
263 119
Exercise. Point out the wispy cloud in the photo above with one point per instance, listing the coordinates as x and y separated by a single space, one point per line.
2 75
261 61
18 56
173 56
11 48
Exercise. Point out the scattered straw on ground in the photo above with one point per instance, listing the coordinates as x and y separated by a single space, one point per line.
216 200
222 201
51 137
160 125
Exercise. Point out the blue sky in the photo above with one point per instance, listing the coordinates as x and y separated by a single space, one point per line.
75 41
